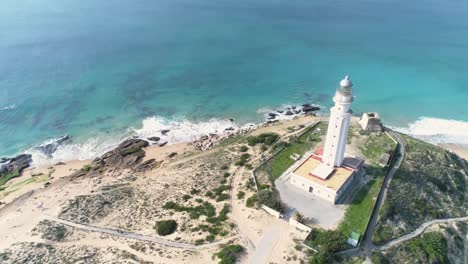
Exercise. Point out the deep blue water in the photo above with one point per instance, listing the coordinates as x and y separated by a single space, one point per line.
90 68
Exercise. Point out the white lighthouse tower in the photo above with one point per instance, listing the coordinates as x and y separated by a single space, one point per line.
337 133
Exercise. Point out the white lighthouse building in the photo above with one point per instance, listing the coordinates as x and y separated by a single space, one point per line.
329 174
337 133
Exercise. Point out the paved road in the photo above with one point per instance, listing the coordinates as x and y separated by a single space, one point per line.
125 234
419 231
367 244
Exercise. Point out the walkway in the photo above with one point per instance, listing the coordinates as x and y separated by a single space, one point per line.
419 231
125 234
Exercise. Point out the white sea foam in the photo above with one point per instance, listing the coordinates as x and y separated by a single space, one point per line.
9 107
181 129
436 130
89 149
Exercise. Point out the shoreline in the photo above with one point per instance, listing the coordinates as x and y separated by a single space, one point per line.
214 129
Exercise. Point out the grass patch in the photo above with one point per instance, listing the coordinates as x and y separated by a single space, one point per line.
6 177
282 161
358 213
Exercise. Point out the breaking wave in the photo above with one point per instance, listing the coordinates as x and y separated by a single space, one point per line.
436 130
179 130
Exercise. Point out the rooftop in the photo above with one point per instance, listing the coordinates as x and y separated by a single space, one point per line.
334 181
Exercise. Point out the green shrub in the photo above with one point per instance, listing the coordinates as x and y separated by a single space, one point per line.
240 195
199 241
251 201
209 194
265 138
222 197
229 253
224 167
249 166
170 205
226 174
243 148
210 238
379 258
186 197
166 227
194 191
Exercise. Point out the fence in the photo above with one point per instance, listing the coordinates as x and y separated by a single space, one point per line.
271 211
299 226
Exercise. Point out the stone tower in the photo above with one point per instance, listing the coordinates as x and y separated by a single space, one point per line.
337 133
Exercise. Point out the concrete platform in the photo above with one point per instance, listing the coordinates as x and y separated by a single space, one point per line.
322 212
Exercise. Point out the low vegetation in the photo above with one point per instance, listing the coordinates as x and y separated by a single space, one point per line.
266 138
7 177
431 247
166 227
439 178
229 253
326 242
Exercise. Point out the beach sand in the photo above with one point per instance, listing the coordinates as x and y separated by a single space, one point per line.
459 149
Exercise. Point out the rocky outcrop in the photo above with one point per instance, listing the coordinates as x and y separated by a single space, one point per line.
155 139
49 148
15 166
309 108
126 156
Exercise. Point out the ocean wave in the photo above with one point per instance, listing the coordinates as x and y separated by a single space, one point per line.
90 149
436 130
9 107
179 130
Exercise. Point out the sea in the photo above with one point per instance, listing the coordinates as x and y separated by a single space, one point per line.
103 71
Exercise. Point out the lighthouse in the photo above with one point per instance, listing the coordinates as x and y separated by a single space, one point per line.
338 126
328 174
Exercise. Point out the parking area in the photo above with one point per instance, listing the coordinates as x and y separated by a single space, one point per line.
321 212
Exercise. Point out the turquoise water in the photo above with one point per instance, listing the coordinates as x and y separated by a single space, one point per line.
91 68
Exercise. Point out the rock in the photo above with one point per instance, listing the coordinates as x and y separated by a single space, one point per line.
306 105
280 111
289 113
165 131
205 137
231 119
172 154
147 165
156 139
230 129
297 112
16 164
3 160
49 148
162 144
310 108
126 156
60 163
272 115
293 107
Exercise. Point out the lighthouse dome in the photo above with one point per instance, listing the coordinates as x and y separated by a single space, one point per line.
346 87
346 82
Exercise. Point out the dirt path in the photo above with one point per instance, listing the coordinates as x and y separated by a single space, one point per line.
125 234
